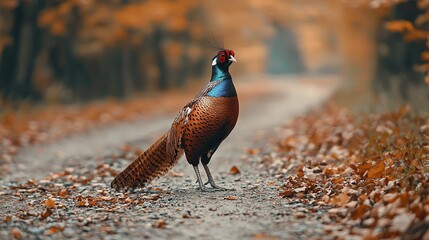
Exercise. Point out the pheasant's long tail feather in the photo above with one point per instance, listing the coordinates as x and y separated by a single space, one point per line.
153 163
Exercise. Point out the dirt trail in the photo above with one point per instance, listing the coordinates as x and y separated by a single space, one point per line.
190 214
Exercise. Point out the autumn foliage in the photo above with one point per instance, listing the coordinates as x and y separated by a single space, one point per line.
86 50
411 30
372 170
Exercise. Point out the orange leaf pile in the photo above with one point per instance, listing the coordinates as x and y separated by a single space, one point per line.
374 171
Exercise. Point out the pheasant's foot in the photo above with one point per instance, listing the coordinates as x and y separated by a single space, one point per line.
219 188
212 183
205 189
201 186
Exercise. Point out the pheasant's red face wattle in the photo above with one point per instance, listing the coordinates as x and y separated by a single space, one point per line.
222 57
225 55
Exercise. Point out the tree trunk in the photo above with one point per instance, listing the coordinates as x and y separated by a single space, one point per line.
160 59
126 72
19 66
10 54
183 69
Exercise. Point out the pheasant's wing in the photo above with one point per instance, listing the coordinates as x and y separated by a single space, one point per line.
177 131
206 89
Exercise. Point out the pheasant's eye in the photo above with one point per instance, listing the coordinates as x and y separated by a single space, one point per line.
222 57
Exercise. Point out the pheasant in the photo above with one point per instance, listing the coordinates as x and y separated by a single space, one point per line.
197 130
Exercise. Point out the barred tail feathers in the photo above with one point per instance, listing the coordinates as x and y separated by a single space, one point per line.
153 163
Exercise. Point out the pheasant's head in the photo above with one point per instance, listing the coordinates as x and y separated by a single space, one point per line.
224 59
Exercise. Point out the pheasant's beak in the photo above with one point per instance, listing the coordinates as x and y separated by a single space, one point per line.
232 59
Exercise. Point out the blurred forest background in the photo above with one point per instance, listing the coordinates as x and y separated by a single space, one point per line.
73 51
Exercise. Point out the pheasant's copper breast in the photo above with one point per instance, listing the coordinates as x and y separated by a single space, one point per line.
209 123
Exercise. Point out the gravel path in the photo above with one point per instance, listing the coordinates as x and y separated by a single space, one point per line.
171 208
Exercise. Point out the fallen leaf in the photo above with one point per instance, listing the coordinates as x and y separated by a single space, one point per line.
231 198
359 211
154 197
54 229
49 203
402 221
161 223
87 202
340 200
286 193
299 215
390 197
176 174
370 222
253 151
329 171
301 189
377 170
83 203
264 236
7 218
16 233
46 213
300 172
363 167
234 170
107 229
63 192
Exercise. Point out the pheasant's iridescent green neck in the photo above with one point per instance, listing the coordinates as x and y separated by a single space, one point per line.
225 88
219 73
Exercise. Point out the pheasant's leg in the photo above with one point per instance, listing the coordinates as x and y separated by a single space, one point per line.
211 181
200 181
